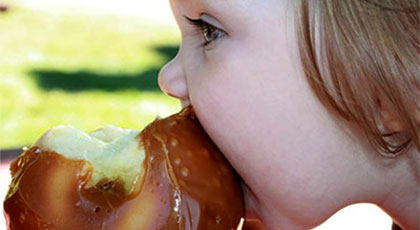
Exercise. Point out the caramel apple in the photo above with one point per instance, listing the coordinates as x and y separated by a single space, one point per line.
170 176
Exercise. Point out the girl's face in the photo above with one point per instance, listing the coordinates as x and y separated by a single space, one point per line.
238 65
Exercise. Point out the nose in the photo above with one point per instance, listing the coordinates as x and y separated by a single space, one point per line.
172 80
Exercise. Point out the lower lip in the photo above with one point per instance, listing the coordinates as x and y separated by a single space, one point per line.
253 224
253 221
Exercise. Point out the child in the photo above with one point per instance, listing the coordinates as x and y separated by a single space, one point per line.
314 103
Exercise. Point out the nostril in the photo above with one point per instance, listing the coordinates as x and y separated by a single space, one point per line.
164 80
176 87
172 80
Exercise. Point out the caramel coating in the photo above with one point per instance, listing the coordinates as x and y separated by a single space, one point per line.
187 185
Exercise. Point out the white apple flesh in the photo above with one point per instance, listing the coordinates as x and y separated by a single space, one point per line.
170 176
113 152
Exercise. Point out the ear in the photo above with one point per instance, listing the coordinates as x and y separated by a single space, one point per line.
390 117
389 114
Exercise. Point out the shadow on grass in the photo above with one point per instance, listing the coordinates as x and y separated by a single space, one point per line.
82 80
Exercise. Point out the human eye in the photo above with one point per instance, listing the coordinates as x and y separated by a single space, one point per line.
208 32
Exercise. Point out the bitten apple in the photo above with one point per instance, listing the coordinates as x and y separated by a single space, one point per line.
169 176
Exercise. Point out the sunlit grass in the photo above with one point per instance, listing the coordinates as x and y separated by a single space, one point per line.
33 41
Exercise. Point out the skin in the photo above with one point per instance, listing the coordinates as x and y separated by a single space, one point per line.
298 164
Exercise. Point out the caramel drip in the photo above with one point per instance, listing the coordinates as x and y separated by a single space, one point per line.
177 198
187 185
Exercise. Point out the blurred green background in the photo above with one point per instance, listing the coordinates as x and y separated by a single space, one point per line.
89 63
86 68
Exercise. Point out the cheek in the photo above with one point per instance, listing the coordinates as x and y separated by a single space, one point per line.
232 95
241 94
257 109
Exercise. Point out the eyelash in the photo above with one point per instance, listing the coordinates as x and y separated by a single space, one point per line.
206 30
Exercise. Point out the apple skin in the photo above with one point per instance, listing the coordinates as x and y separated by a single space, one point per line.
187 184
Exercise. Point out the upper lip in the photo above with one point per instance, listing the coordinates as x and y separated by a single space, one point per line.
185 103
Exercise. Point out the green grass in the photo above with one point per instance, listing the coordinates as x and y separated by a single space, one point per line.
86 71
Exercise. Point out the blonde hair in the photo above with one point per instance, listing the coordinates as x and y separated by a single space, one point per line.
354 50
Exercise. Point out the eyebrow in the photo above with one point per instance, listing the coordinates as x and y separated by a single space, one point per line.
200 1
210 6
